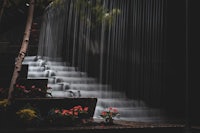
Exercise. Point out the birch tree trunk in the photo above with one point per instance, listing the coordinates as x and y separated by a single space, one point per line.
22 52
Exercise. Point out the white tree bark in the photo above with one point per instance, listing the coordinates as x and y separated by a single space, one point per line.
22 52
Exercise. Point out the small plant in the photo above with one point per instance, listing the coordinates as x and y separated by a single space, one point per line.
28 115
31 92
109 113
60 117
79 110
66 116
4 115
3 104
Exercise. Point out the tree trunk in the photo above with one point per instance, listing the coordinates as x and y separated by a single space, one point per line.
2 9
22 53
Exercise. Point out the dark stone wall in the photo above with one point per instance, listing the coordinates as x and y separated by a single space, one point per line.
175 58
194 54
182 92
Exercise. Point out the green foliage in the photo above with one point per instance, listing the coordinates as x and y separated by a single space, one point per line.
109 17
99 13
67 116
3 104
28 113
57 2
109 113
23 91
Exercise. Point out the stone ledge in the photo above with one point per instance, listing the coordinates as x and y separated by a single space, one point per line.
99 127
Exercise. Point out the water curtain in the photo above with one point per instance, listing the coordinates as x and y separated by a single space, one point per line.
120 42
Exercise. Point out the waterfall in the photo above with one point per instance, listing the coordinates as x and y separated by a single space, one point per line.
52 33
101 48
78 29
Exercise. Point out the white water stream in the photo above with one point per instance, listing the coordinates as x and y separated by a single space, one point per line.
67 81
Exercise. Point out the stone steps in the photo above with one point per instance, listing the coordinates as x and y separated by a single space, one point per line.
62 68
85 87
90 87
85 94
70 80
43 63
75 80
35 58
142 119
49 73
119 102
55 68
67 81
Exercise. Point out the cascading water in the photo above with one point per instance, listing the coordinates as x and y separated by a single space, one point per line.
77 32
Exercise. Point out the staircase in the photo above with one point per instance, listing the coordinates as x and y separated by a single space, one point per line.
68 81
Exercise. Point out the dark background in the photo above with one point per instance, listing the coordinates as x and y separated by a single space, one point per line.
178 97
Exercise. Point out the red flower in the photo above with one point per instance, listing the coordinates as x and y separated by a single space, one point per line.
77 107
76 113
22 87
33 87
110 108
109 113
115 110
27 91
103 113
85 109
70 113
57 111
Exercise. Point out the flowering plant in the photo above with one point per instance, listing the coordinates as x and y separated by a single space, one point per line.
79 110
109 113
66 116
33 91
3 104
28 115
